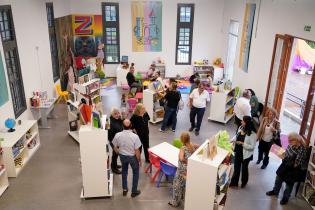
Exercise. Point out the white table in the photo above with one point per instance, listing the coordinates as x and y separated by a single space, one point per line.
43 112
167 152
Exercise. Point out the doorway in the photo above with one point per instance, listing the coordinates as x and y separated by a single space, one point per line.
232 43
291 84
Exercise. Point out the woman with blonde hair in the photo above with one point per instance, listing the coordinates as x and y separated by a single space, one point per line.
140 123
179 181
269 129
294 158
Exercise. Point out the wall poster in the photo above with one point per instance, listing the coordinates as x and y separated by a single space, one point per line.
4 95
146 26
88 34
248 24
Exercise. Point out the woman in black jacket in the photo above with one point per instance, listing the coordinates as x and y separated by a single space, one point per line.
116 126
140 123
172 98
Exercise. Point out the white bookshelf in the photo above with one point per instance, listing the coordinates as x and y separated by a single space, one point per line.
27 136
152 105
121 75
89 90
202 177
161 68
97 180
221 103
204 69
73 111
309 186
4 182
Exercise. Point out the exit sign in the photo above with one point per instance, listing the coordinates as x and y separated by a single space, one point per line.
307 28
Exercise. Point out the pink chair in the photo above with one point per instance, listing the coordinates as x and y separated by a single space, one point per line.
139 96
125 87
154 161
132 104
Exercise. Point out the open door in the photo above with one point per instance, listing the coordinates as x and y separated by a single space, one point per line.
278 71
308 115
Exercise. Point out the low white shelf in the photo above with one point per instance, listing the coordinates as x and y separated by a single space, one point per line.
4 182
29 144
222 104
97 180
152 105
202 177
121 75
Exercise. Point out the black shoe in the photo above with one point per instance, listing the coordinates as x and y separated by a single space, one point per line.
147 161
284 201
243 185
197 133
116 171
258 162
271 193
118 166
125 192
191 129
135 194
169 203
263 167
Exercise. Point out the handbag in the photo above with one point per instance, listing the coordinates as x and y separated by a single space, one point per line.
181 104
276 139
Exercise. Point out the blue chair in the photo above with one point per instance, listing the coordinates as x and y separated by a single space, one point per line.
166 169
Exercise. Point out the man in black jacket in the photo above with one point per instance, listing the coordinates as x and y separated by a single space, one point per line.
116 125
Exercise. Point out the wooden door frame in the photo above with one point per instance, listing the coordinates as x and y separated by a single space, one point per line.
282 74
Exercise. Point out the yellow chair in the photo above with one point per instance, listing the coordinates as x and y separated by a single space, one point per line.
62 94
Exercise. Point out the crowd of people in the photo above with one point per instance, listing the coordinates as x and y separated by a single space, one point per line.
129 137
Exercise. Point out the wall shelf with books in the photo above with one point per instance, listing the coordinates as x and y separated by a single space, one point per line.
20 146
4 182
309 186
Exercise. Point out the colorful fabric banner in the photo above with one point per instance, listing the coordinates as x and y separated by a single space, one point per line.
87 32
4 95
304 56
247 35
146 26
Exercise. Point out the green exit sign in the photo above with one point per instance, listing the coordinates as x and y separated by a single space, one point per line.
307 28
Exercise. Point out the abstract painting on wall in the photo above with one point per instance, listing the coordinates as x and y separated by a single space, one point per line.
146 26
4 95
248 24
88 34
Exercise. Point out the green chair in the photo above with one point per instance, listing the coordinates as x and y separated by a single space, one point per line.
177 143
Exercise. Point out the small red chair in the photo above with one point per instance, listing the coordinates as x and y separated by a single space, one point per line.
132 102
154 161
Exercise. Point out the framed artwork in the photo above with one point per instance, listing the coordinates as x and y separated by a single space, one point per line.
248 24
146 26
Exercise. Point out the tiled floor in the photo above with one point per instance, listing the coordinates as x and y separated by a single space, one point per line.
52 179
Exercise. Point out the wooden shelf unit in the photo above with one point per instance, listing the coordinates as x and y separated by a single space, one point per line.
151 104
161 68
203 70
222 105
203 176
27 136
94 151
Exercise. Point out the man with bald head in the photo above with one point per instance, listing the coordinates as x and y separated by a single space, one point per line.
127 145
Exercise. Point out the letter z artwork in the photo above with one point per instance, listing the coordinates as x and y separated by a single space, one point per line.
84 27
84 42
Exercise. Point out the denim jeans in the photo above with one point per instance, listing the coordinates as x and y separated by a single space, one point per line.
278 185
199 112
170 113
125 161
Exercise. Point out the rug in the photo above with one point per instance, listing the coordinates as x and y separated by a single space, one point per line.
108 83
183 86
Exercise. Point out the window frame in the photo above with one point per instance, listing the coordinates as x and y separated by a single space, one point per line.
111 24
52 36
180 25
11 45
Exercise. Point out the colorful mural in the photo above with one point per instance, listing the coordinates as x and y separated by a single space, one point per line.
147 26
88 34
4 95
248 24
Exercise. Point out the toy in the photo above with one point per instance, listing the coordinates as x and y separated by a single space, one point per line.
100 51
99 68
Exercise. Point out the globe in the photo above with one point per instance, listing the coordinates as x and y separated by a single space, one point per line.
10 123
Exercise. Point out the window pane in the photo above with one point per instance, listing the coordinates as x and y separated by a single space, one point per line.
183 54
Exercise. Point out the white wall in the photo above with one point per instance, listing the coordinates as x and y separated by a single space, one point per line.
206 38
276 17
31 29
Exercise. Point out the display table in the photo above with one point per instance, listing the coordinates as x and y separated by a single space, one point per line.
43 112
166 152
